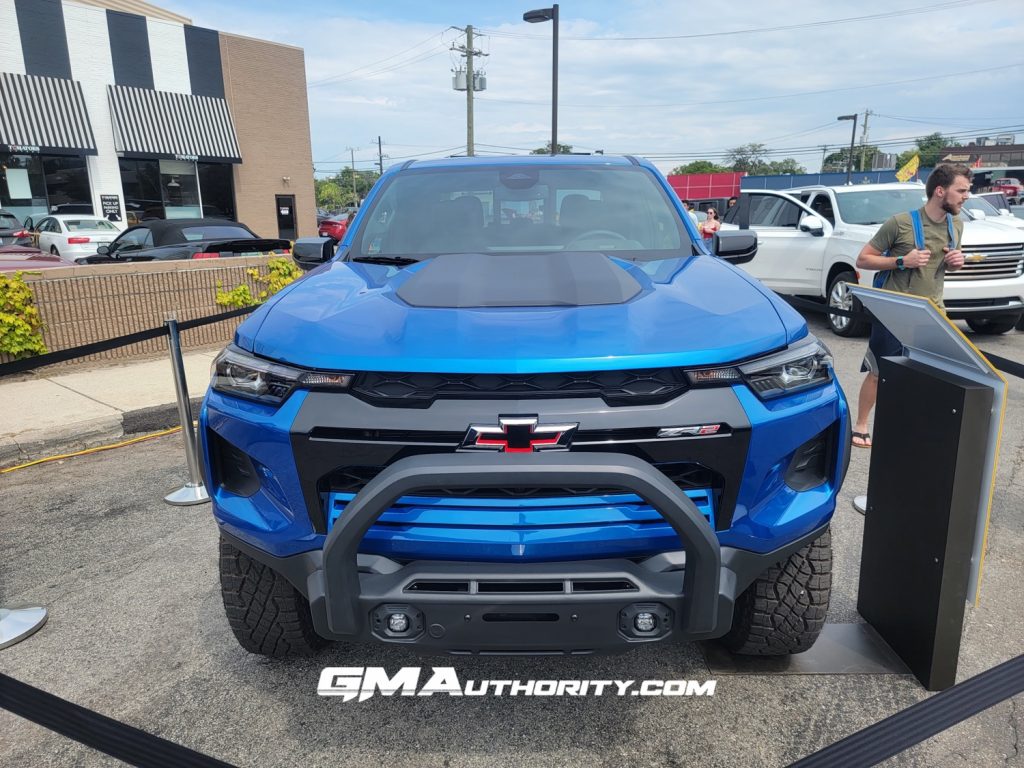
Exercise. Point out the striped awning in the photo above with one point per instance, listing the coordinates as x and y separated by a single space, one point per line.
44 115
175 126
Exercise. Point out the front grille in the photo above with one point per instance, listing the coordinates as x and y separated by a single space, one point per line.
1001 261
419 390
687 476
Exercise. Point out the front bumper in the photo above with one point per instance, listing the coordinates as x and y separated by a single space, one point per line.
581 606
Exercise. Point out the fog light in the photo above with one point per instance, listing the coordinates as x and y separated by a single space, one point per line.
398 623
645 621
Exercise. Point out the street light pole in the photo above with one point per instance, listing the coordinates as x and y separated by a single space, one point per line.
853 139
533 17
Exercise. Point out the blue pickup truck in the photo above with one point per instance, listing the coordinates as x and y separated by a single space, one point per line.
525 409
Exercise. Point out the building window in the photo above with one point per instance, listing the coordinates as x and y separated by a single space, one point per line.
140 181
217 188
34 185
180 187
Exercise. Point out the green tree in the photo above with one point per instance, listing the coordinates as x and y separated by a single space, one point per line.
748 157
778 167
700 166
328 194
930 148
563 149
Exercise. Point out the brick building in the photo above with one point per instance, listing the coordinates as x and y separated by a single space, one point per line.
129 111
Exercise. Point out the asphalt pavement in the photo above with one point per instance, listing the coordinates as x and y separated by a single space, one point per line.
137 632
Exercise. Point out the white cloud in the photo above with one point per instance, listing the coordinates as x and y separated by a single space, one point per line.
607 88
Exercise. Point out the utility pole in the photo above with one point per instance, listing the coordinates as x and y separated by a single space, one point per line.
470 53
355 194
380 156
824 154
864 138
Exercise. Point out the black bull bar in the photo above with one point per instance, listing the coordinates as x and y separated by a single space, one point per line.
334 590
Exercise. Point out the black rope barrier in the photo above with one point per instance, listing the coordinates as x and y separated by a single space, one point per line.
921 721
97 731
60 356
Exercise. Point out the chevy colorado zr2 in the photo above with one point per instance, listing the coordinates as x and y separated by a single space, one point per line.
525 409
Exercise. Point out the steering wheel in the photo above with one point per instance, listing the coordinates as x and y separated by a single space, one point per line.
592 233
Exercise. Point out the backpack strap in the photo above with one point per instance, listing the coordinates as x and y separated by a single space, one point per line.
952 231
915 220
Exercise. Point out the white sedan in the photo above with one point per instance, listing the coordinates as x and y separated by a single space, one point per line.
73 236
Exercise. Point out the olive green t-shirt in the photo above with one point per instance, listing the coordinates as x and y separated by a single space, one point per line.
897 237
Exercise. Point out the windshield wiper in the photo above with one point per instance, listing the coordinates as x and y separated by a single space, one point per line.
398 261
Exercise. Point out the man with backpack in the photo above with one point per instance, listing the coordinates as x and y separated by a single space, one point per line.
912 253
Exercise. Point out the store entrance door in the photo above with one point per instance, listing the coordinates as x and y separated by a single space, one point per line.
286 216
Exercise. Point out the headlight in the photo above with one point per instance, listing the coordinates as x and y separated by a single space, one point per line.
806 364
238 373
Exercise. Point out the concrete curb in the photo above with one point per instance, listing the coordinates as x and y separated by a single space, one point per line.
54 441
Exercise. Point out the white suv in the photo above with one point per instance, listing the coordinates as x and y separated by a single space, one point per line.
809 238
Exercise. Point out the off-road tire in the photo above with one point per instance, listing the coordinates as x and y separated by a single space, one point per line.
783 611
993 326
266 613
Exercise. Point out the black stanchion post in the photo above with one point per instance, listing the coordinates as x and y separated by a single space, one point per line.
193 492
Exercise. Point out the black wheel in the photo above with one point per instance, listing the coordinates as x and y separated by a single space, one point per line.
839 297
992 326
266 613
783 611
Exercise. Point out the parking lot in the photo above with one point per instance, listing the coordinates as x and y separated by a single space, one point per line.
137 632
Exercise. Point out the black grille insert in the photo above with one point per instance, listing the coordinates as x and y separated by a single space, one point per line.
419 390
687 476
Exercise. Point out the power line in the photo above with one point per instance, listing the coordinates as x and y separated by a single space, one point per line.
753 30
330 78
768 98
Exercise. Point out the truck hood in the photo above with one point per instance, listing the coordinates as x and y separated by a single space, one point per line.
689 311
986 232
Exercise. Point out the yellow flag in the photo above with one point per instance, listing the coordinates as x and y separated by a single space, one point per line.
907 171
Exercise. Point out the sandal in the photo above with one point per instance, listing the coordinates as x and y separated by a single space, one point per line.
863 437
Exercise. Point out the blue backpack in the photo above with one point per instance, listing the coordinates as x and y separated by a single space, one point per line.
915 220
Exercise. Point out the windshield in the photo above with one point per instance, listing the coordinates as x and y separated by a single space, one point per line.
214 232
981 204
78 225
874 206
521 209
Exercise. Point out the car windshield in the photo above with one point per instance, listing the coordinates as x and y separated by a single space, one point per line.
193 234
521 209
997 200
874 206
77 225
981 204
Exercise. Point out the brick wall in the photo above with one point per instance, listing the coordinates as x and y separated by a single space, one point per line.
79 305
265 87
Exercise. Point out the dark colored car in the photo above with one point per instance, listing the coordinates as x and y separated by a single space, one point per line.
12 232
170 239
17 258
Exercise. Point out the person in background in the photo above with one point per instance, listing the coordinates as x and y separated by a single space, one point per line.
908 269
688 206
710 225
731 202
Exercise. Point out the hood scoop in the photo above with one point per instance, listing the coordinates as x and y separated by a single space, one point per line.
563 279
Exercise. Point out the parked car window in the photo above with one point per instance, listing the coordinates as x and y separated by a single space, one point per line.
875 206
7 221
134 239
76 225
192 234
49 225
822 205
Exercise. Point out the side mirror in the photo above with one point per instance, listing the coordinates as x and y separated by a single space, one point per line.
103 250
812 224
734 246
310 252
979 215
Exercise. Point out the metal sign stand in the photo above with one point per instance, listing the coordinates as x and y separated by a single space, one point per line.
18 623
193 492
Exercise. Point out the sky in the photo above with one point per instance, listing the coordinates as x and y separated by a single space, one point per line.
672 81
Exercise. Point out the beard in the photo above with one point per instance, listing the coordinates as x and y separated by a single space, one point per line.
950 208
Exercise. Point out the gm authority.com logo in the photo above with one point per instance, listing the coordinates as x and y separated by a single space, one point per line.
363 682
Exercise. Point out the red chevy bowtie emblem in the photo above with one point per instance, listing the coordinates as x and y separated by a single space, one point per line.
518 434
